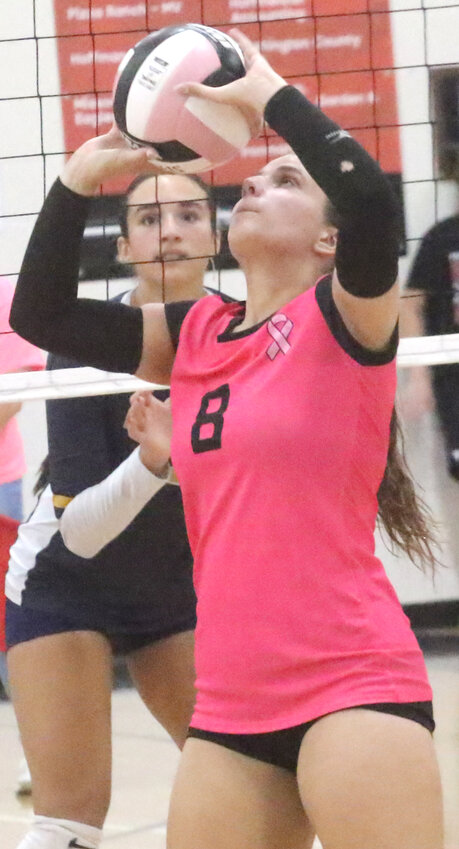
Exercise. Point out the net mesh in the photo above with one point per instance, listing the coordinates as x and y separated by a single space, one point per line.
386 70
381 68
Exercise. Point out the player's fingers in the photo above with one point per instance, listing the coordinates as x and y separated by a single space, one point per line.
135 416
126 161
232 93
204 91
127 420
115 140
150 402
156 410
249 50
139 395
114 137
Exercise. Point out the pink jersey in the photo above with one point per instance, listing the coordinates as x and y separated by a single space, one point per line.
15 355
280 444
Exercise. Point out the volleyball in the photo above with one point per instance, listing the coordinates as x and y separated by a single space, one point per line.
190 134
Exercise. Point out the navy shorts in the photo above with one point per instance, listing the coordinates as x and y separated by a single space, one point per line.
25 623
282 748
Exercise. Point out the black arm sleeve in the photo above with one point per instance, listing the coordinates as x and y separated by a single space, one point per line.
368 210
176 312
46 309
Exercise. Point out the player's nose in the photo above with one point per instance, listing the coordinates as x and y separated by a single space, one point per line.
170 227
252 185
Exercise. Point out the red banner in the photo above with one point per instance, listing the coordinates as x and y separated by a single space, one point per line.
341 59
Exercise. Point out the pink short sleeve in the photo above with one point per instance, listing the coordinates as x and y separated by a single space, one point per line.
15 353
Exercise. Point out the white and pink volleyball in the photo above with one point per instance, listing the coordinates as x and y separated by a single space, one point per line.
190 134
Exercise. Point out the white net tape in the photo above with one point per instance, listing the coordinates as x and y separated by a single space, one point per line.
66 383
76 382
428 350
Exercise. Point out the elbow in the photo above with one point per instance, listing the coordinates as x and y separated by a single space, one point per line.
25 324
77 543
16 320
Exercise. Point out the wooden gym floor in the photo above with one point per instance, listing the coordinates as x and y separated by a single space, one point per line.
145 761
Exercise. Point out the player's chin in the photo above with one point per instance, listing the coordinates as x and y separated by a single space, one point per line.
245 233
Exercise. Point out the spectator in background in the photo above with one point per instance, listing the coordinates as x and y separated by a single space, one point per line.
15 355
431 307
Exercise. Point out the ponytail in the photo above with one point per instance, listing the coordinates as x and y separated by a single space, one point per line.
402 513
43 477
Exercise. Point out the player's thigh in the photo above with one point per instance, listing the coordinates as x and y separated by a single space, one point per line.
163 673
227 800
370 779
61 690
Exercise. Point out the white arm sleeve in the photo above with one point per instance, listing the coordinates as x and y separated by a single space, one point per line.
100 513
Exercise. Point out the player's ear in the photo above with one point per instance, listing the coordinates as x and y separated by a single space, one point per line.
123 249
326 242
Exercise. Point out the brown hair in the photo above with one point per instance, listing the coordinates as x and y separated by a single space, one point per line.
42 478
405 517
402 513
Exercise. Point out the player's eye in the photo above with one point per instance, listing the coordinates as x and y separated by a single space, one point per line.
287 180
190 216
149 220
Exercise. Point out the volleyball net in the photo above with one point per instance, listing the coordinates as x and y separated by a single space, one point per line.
386 70
81 381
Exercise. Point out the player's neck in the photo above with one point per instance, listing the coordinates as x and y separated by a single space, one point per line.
155 292
269 289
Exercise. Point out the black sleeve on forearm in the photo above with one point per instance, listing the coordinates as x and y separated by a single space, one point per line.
46 309
368 210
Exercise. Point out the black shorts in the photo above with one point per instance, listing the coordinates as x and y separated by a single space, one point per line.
282 748
24 623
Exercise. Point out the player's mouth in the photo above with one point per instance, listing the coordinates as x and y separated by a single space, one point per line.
244 205
171 256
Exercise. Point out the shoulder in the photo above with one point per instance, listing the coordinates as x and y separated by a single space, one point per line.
352 347
196 313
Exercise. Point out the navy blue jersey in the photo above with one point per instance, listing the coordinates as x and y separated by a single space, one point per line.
142 580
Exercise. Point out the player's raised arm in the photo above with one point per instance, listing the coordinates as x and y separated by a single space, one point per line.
46 309
364 284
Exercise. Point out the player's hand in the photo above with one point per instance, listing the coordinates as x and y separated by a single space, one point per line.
149 422
250 93
104 157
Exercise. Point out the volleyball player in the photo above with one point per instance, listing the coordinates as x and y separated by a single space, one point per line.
313 706
68 617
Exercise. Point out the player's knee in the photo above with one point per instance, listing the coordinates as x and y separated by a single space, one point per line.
50 833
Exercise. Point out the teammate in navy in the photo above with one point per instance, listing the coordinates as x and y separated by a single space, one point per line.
68 617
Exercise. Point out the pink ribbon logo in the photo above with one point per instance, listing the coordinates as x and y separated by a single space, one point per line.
279 334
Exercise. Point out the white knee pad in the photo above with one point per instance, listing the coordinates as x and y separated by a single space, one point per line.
50 833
